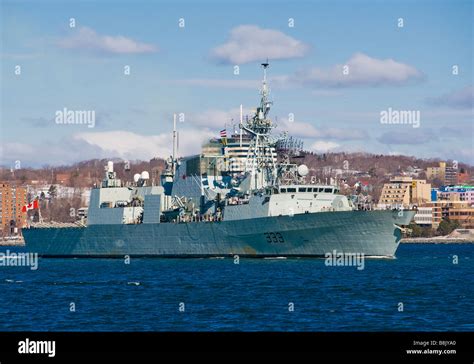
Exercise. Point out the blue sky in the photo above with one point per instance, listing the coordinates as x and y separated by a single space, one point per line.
190 70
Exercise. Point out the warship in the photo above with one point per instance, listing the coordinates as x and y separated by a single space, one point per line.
244 195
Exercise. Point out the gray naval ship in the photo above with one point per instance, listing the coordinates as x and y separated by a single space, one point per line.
243 195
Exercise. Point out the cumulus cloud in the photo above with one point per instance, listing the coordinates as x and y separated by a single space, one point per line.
461 99
323 146
130 145
249 43
87 39
217 119
107 144
359 70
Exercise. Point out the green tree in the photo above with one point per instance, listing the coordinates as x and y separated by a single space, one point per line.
427 232
447 226
415 230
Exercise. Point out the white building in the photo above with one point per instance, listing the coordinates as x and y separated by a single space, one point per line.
424 216
61 192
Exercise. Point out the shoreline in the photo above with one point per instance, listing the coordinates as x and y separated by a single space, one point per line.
19 242
438 240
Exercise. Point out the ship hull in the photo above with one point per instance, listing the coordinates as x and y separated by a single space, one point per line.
373 233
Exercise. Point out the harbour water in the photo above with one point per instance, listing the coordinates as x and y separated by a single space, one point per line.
422 290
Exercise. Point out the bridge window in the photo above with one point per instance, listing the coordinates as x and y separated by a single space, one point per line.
328 190
283 190
302 189
291 189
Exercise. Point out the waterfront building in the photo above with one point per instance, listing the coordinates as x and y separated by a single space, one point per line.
12 199
404 191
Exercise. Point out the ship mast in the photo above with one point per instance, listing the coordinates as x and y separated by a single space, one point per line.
261 153
264 104
175 144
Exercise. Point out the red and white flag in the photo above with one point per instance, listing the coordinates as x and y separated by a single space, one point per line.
30 206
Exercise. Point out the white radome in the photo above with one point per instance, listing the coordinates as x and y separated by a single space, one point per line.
303 170
145 175
136 177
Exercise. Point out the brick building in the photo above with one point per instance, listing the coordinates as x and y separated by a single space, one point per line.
12 199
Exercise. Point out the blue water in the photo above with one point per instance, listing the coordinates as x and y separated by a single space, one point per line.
253 295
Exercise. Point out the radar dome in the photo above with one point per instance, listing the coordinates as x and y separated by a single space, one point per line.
145 175
303 170
136 177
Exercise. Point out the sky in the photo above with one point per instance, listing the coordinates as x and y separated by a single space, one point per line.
338 70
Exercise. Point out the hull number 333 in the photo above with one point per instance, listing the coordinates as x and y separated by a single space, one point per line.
274 238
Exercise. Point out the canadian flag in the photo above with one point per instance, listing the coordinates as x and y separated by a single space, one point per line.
30 206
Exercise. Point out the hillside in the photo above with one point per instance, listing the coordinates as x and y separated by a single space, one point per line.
371 169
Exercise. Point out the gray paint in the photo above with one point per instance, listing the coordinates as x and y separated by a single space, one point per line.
370 232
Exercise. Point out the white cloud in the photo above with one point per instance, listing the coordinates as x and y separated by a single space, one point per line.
217 119
93 145
361 70
346 134
249 43
299 129
87 39
323 146
129 145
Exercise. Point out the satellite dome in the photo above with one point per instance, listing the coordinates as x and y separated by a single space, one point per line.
136 177
303 170
145 175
